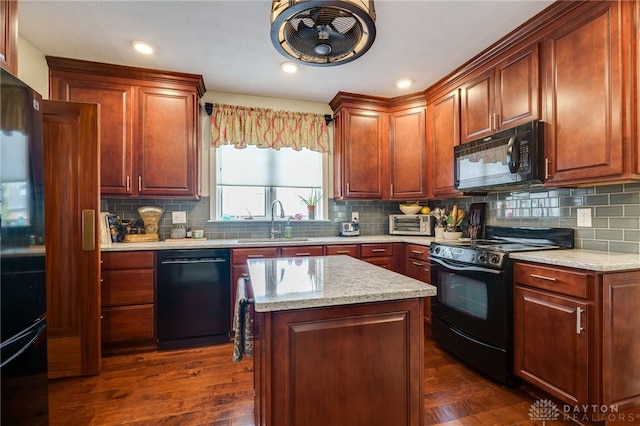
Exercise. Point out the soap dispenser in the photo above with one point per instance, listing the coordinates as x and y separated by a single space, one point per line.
288 230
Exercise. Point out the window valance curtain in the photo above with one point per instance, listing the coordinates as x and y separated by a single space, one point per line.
267 128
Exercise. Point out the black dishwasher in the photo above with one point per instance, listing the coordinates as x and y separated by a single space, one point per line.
193 298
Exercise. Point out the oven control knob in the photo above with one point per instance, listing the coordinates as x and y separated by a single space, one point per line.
436 250
482 257
495 258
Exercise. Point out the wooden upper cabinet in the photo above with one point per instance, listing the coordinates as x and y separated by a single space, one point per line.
586 65
168 145
501 96
9 35
363 139
149 125
443 133
408 151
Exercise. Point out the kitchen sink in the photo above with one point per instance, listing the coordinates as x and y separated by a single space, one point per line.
270 240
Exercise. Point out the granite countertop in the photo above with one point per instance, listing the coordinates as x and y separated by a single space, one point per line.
320 281
599 261
592 260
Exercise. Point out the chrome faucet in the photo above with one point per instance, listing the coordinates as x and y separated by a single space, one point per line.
273 233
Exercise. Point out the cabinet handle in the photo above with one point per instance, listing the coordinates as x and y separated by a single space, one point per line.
490 121
378 250
417 264
303 254
347 188
391 189
342 252
496 120
579 320
416 252
88 230
139 183
542 277
546 168
255 255
128 183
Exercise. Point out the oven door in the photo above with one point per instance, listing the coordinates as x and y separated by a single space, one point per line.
471 300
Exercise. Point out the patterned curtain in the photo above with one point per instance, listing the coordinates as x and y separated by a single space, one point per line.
266 128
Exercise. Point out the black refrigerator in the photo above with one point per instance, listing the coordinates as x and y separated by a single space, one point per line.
23 339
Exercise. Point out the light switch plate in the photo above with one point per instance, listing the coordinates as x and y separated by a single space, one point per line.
178 217
584 217
355 217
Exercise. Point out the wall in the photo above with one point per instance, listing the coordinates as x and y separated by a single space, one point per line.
615 210
32 67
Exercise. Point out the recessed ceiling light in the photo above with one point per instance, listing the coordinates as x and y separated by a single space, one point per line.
142 47
289 67
404 83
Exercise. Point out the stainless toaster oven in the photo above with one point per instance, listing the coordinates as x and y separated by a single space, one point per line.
411 224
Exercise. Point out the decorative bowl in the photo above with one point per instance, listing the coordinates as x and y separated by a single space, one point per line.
452 235
410 209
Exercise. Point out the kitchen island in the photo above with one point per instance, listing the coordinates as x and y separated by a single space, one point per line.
337 341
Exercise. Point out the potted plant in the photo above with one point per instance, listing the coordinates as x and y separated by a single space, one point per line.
314 198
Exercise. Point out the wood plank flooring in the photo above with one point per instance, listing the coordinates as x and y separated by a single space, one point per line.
204 387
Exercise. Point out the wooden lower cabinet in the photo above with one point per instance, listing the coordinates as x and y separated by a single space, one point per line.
347 365
128 301
385 255
352 250
576 335
418 267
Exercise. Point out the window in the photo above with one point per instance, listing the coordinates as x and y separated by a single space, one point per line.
249 180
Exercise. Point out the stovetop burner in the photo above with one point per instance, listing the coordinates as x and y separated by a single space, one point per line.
494 250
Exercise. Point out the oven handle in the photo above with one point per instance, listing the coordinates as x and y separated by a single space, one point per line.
465 268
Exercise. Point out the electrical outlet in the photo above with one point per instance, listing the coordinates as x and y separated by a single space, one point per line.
584 217
355 217
178 217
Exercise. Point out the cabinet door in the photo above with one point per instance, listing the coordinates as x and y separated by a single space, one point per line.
585 99
365 153
517 89
408 154
72 197
115 127
551 340
443 134
167 143
9 35
477 99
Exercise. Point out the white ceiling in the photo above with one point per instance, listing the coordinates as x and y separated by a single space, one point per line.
228 42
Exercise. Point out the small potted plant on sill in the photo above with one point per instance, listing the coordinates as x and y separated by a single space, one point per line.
312 201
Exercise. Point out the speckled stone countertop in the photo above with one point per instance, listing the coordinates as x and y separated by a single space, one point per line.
599 261
264 242
583 259
311 282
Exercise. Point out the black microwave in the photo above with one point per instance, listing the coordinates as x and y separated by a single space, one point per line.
511 158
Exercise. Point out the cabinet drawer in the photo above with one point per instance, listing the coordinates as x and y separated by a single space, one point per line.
376 250
127 287
346 249
415 251
301 251
128 260
564 281
241 255
129 323
419 269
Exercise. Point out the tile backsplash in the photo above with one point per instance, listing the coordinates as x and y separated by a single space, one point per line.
615 211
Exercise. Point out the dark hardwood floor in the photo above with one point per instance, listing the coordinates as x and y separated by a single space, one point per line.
204 387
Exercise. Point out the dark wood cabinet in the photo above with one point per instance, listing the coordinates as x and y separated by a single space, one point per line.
443 134
408 149
128 301
574 336
72 199
149 125
352 250
418 267
385 255
587 69
352 364
501 96
361 160
380 147
9 35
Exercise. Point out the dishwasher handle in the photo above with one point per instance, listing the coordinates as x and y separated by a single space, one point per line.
194 260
